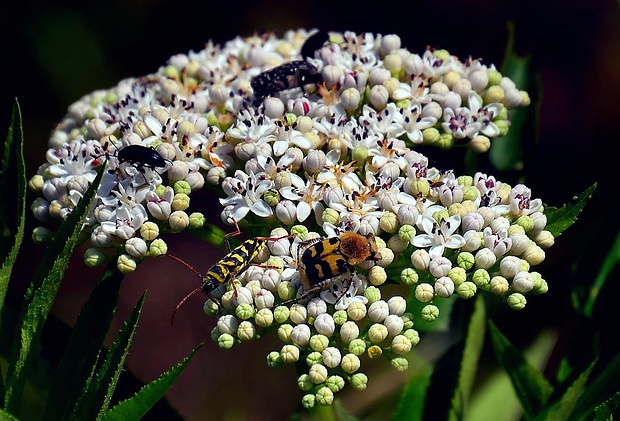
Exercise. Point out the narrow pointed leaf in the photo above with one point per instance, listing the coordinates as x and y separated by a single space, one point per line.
84 348
411 403
531 387
41 294
558 219
600 387
607 409
610 262
138 405
563 408
97 397
12 190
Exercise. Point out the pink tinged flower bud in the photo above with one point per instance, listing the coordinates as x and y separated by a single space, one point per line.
178 171
389 43
378 97
264 299
520 243
136 247
473 240
522 282
444 287
432 110
356 80
452 100
40 209
440 267
274 107
397 305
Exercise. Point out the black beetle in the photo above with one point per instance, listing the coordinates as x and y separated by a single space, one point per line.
141 157
290 75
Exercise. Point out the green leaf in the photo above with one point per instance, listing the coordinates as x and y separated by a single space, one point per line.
531 387
600 387
79 360
560 219
469 362
608 409
138 405
563 408
40 297
454 373
12 190
411 403
96 399
5 416
610 262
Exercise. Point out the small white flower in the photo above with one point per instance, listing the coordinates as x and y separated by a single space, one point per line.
439 236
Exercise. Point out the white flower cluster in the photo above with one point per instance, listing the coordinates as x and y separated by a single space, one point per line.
335 156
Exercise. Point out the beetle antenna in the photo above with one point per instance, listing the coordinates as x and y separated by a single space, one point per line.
194 292
184 263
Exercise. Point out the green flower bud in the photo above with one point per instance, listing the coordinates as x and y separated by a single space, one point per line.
244 311
377 275
420 187
340 317
308 401
377 333
94 257
331 216
272 197
409 276
458 275
42 235
286 290
284 332
430 136
314 358
498 285
445 141
182 187
389 222
319 342
466 290
281 313
526 222
225 341
359 381
335 383
274 360
481 278
373 294
408 320
359 155
516 301
196 220
400 363
406 233
412 335
465 260
210 308
158 247
180 202
430 313
304 383
357 346
299 231
324 396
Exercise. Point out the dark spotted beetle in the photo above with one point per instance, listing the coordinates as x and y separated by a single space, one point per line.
290 75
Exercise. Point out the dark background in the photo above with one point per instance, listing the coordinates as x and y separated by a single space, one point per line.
56 53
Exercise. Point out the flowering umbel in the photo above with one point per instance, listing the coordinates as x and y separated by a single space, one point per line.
315 158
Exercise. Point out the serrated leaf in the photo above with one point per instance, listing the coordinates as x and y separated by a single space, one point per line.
138 405
600 387
609 408
563 408
12 190
6 416
411 402
76 367
531 387
40 296
96 398
559 219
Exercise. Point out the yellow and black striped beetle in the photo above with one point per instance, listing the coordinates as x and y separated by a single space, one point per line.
229 266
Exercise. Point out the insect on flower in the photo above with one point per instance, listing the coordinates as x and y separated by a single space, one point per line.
293 74
138 156
322 261
225 270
